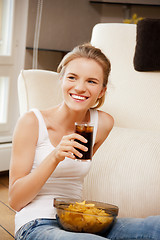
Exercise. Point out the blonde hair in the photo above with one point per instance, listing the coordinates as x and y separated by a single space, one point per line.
90 52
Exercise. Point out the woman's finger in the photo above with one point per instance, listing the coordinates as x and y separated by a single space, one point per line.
71 150
74 136
74 144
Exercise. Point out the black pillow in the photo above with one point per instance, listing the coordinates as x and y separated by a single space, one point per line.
147 51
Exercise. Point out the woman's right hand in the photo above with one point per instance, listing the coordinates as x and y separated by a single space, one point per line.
68 147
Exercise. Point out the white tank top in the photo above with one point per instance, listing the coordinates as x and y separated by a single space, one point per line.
65 181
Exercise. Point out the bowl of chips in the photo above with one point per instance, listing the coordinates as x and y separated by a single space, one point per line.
85 216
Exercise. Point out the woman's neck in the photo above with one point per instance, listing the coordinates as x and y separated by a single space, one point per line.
67 117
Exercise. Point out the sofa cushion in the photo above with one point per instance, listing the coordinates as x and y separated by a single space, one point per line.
147 51
132 97
126 172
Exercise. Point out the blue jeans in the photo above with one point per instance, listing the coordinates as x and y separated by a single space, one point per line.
123 229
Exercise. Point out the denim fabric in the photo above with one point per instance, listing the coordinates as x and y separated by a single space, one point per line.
48 229
123 229
136 228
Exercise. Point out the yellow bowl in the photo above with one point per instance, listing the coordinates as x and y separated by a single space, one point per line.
85 216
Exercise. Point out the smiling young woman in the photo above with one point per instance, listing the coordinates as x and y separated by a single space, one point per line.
43 162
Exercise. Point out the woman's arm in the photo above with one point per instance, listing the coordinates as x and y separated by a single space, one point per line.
25 185
105 125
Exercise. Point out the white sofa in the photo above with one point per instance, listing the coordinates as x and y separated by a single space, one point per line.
126 169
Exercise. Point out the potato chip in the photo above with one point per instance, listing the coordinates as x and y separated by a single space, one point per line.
85 217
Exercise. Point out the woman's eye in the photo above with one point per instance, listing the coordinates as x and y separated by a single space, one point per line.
71 78
92 81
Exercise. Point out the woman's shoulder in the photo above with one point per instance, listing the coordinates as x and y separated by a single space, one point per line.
26 124
105 120
28 119
105 125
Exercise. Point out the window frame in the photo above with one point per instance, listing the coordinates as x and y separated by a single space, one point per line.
8 59
10 66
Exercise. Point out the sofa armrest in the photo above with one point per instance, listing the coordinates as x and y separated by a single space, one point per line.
38 89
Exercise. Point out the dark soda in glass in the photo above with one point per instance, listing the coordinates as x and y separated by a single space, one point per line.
86 130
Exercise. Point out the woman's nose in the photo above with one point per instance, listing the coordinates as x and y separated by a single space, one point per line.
80 86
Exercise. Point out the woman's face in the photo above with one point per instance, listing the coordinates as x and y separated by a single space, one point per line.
82 83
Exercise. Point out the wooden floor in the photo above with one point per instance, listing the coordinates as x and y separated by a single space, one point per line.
6 212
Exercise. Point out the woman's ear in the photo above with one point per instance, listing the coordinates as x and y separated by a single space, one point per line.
102 92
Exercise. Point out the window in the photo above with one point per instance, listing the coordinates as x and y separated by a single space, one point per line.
6 60
4 94
6 20
13 30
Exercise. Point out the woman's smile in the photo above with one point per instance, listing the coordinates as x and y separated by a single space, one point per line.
78 97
